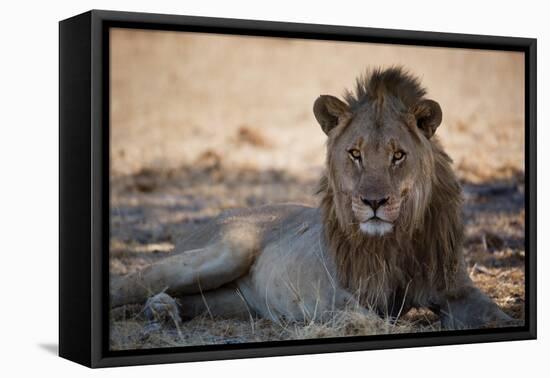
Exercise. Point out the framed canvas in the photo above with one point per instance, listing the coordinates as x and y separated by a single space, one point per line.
234 188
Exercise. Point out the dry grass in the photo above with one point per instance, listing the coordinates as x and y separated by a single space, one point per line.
202 123
136 333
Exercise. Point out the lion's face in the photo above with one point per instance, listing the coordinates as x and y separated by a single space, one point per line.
377 169
379 161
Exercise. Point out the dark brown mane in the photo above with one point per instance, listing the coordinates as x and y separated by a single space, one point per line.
425 253
430 258
377 83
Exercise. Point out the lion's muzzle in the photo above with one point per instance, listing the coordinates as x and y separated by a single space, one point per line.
375 216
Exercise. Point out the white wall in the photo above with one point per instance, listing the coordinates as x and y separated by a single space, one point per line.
28 148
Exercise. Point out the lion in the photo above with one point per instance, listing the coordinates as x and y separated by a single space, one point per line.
386 238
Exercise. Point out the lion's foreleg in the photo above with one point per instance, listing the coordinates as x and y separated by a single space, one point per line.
470 308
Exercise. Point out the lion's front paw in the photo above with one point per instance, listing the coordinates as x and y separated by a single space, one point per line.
162 308
498 318
473 310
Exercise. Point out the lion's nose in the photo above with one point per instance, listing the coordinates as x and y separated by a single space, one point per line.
374 204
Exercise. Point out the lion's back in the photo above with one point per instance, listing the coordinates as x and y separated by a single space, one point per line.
261 221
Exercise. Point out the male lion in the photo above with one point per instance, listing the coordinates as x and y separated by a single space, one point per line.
387 236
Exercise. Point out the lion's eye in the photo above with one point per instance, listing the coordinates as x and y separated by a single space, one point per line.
355 154
398 156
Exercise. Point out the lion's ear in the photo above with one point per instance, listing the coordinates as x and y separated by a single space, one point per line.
329 111
428 116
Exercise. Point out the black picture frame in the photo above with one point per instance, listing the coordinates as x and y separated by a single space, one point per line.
84 186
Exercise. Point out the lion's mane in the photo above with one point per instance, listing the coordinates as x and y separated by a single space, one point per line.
424 253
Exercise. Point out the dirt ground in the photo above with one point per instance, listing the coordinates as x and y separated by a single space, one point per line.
203 123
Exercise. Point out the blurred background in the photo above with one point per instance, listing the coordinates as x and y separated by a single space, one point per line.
204 122
177 95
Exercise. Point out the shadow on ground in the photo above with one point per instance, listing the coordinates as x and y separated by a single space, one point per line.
51 348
